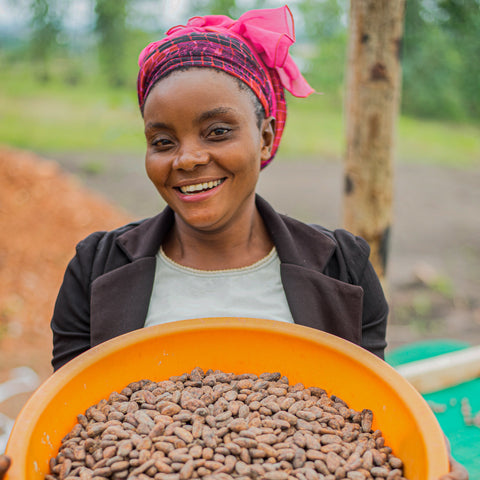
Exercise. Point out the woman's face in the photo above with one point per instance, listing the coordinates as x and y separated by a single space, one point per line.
204 147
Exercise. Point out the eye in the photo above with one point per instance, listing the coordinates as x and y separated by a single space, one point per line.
162 142
218 132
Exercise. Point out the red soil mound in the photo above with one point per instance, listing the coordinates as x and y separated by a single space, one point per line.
43 214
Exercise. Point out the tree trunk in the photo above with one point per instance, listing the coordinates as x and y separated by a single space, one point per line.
372 100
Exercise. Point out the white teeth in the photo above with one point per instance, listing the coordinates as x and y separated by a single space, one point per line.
200 186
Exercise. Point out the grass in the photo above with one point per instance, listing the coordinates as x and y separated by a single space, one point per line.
432 142
314 129
55 117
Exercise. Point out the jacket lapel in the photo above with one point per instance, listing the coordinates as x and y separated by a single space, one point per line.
315 299
323 303
120 298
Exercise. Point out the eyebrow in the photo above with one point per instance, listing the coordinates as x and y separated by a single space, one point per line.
201 118
213 113
155 125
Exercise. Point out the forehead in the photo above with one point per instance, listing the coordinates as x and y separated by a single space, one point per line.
198 79
195 87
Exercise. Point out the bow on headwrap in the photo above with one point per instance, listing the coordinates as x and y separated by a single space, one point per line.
253 48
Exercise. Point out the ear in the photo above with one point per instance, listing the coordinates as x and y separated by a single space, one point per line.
267 131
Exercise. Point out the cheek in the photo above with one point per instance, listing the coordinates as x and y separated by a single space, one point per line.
157 170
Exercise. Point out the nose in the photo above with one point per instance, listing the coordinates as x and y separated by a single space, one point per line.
190 156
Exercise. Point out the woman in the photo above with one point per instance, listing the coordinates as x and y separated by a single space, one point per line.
214 113
212 99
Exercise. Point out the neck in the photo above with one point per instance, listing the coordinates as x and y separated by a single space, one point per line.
236 245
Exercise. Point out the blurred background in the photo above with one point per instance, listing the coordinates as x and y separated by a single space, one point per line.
81 56
71 154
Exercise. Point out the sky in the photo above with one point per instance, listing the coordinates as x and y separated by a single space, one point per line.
9 17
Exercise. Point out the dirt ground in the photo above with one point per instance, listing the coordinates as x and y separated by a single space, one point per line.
434 263
43 214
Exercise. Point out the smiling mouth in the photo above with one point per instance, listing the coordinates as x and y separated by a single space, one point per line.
200 187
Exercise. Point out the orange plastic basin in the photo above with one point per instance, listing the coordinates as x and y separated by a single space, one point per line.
232 345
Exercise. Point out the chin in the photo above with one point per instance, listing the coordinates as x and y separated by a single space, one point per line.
203 223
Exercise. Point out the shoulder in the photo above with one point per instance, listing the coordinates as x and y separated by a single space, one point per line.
351 254
104 239
347 244
352 247
335 253
345 240
100 249
348 255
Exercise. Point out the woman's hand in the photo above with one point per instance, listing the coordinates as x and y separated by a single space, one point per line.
4 465
457 471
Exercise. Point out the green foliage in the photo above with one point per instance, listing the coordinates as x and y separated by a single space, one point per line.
314 128
441 52
91 116
441 71
326 69
326 36
430 66
441 67
434 142
215 7
443 285
462 21
111 27
55 116
323 19
43 41
93 167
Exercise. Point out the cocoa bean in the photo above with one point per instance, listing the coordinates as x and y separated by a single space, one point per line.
381 472
221 426
367 418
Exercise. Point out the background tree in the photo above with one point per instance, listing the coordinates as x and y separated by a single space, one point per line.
461 20
373 92
215 7
112 33
43 39
431 65
324 32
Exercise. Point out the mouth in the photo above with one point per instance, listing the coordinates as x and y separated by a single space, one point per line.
196 188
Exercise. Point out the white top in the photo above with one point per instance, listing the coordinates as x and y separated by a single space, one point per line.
181 293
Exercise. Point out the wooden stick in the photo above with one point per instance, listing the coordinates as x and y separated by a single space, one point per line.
443 371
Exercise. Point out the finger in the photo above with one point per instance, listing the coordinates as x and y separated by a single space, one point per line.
457 472
4 465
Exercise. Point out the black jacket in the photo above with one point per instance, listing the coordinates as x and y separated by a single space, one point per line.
329 283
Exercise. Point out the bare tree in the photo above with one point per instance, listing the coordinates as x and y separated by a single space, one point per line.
372 99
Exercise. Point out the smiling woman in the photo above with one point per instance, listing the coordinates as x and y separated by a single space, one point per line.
212 98
204 151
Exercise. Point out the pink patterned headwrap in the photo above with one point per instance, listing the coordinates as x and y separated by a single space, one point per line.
253 48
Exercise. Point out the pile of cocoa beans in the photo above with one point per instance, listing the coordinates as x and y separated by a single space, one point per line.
216 425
